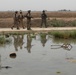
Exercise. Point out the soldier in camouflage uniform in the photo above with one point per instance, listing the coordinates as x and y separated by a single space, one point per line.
21 17
28 16
16 20
43 17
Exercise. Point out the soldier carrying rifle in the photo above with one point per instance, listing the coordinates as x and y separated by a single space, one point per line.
28 16
21 17
43 17
16 20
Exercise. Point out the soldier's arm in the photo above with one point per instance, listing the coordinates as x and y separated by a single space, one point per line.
46 15
41 15
32 17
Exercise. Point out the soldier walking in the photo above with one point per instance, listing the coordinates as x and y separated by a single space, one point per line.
21 17
43 17
16 20
28 16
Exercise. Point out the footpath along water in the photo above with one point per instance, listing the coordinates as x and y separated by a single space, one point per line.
37 29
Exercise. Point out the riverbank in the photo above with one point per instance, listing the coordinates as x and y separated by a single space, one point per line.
36 29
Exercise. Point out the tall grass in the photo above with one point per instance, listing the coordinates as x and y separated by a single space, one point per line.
57 23
4 40
63 34
61 23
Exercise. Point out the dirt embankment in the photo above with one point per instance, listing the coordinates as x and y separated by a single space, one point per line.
6 18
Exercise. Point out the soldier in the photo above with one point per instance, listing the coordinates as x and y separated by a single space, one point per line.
28 16
16 20
43 17
21 17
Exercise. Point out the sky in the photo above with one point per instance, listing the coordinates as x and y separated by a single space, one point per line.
37 5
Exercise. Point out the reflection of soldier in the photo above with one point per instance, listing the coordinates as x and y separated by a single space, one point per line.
21 37
29 41
43 17
21 19
28 16
18 41
16 20
43 40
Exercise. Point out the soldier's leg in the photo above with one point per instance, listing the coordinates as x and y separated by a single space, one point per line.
45 23
17 24
27 24
41 23
22 24
13 24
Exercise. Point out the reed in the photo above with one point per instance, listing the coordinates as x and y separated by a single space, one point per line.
63 34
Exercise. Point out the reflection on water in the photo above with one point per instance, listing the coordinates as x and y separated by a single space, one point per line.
56 40
43 39
18 41
29 41
38 54
4 40
1 66
65 46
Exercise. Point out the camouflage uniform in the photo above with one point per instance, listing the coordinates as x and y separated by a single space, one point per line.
28 16
21 19
43 17
16 20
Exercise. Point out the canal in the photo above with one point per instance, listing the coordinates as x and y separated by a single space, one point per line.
37 54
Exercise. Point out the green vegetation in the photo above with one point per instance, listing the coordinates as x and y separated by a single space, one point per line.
42 35
33 35
61 23
63 34
4 39
57 23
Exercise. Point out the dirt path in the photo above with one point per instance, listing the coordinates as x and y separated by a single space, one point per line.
9 30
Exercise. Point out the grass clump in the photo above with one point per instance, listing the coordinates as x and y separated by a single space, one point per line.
42 35
2 40
72 23
63 34
61 23
73 34
57 23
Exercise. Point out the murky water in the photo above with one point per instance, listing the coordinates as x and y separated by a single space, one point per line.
37 55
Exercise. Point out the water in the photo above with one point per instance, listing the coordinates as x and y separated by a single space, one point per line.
34 56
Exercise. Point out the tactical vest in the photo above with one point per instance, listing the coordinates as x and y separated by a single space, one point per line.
20 16
43 16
